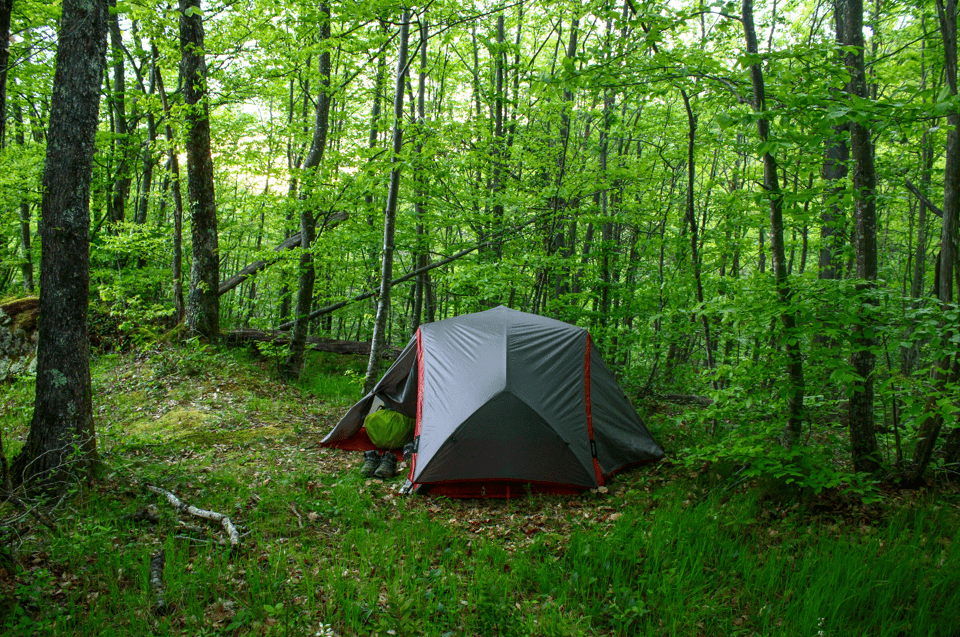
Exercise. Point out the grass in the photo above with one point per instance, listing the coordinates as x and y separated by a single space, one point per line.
663 551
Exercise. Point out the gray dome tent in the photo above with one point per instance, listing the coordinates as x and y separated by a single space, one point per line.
506 399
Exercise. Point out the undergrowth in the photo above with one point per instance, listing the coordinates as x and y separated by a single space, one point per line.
696 549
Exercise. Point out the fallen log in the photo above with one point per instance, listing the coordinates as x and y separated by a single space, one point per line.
213 516
314 343
293 242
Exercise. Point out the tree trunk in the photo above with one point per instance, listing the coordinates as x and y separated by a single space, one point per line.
174 163
6 7
784 292
148 156
308 219
378 342
203 302
420 178
834 172
26 265
692 221
61 441
945 371
863 439
122 178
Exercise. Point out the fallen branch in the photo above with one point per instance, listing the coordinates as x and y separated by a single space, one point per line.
293 508
157 589
213 516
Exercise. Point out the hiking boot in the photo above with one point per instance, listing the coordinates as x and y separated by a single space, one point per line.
408 451
371 461
388 466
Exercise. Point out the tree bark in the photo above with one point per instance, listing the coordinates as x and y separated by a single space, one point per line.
771 184
308 219
378 342
122 178
26 265
203 302
834 171
420 252
6 8
945 371
863 440
174 163
61 442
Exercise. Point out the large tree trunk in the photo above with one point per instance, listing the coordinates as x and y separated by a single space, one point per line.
784 292
203 302
863 438
379 340
61 439
308 219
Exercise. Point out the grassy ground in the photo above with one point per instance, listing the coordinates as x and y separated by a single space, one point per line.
663 551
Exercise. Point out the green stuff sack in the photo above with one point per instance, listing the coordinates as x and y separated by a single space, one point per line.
389 429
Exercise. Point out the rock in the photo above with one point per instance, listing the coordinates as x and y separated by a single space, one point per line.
18 337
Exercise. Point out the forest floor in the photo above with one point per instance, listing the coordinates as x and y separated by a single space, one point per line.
665 550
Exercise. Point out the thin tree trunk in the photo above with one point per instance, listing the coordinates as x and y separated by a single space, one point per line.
148 157
6 8
420 177
378 342
784 292
203 302
62 430
122 178
308 219
945 371
692 220
174 165
26 265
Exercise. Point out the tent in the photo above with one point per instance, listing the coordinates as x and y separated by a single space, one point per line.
505 402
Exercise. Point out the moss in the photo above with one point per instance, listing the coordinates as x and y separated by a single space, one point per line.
176 423
201 428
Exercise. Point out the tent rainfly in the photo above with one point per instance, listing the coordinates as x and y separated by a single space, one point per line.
505 402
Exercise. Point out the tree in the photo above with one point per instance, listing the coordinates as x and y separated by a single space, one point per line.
61 438
863 439
379 339
6 8
308 217
945 371
203 301
771 184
